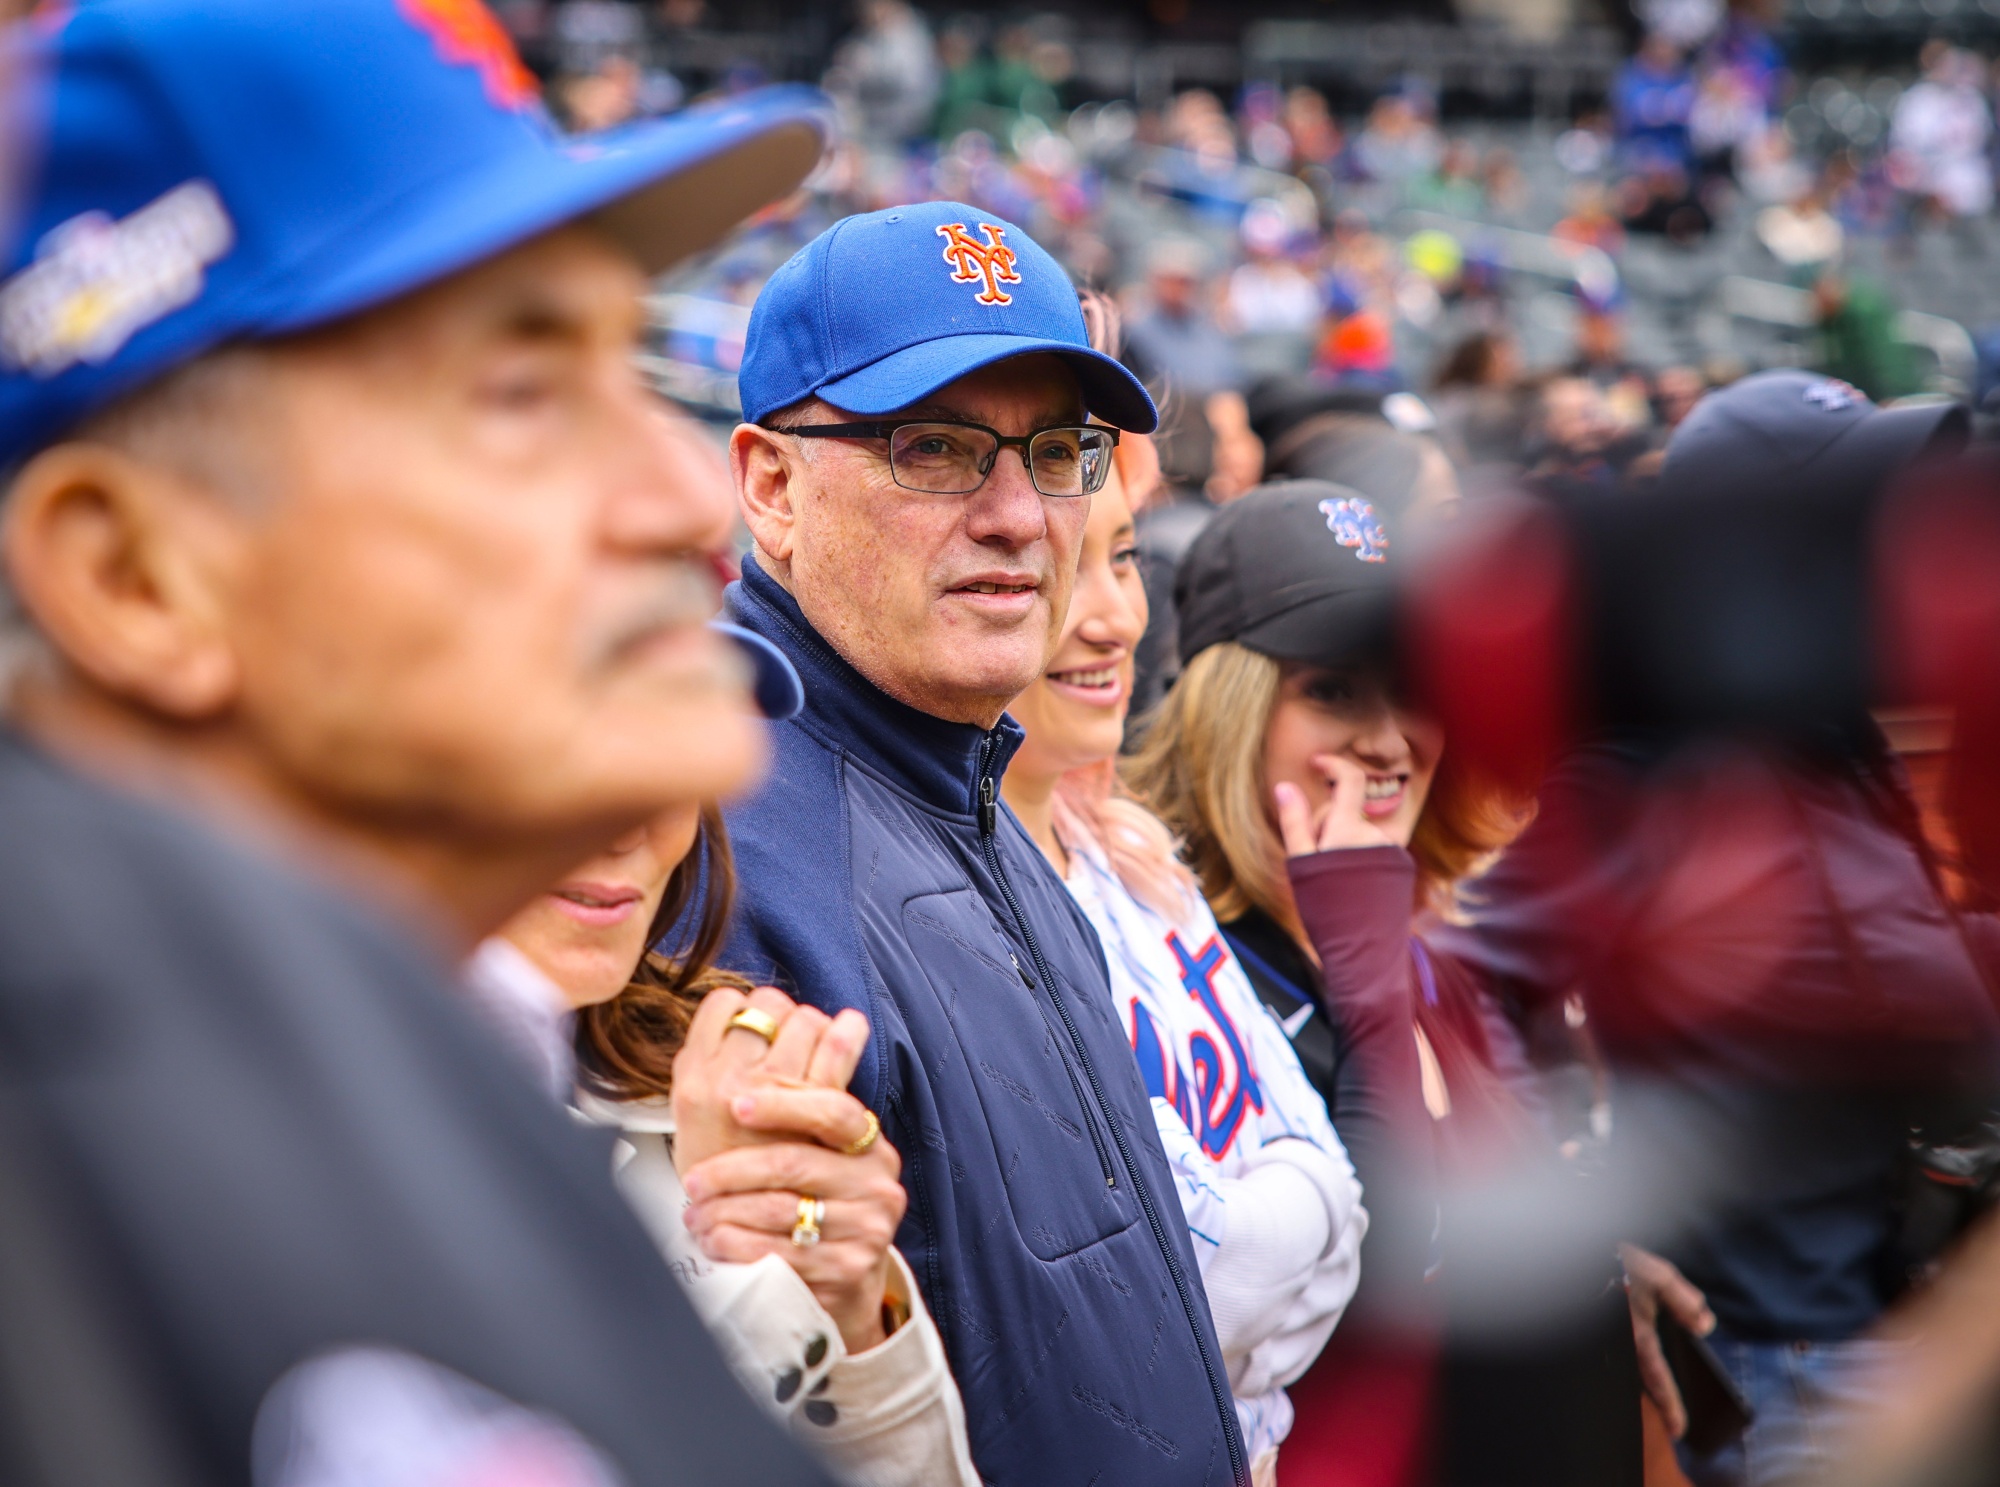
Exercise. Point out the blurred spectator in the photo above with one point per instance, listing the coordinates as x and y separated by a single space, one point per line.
1268 294
1482 409
1685 23
1676 390
992 92
588 32
1578 440
1364 261
602 99
1661 198
1802 234
1316 138
1585 149
1856 321
1651 100
885 76
1591 222
1765 952
1502 183
1454 187
1174 342
1400 141
1359 350
1939 136
1402 475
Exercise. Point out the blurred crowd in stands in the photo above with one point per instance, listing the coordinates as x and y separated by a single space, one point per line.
1264 239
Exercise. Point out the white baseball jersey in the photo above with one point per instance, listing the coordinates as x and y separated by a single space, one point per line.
1270 1197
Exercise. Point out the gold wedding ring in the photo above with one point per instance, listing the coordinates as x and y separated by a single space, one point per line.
755 1020
812 1213
866 1139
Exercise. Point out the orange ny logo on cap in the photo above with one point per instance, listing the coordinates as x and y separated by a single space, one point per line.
467 35
974 262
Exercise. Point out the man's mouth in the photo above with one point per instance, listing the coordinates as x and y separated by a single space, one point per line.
996 588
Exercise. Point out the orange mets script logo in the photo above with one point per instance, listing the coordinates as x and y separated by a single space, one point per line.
466 35
972 262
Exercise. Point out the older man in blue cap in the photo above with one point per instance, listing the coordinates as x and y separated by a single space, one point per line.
338 515
926 425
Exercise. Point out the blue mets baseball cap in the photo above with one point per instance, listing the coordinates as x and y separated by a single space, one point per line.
883 309
210 170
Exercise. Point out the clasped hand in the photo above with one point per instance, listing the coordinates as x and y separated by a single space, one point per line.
758 1126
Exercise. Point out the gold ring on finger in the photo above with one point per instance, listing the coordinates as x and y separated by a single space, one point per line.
866 1139
812 1213
755 1020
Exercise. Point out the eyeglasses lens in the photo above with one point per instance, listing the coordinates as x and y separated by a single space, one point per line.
946 459
950 459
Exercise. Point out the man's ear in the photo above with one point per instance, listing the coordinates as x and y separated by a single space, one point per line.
119 565
766 475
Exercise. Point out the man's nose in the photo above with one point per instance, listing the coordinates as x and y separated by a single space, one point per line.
669 490
1007 510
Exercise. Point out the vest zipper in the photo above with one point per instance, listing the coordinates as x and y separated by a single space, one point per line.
1218 1382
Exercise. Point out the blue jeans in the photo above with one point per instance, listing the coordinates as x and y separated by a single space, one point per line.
1799 1391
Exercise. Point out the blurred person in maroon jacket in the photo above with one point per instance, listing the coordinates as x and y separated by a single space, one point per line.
1756 924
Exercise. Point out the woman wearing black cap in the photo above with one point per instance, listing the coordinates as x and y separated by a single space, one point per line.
1322 816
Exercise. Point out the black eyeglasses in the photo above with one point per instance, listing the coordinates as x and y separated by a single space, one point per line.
954 459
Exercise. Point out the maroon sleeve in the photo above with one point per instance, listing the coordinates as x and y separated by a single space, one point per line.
1356 905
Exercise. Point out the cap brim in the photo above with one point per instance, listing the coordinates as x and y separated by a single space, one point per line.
780 694
901 378
665 189
1889 439
1350 627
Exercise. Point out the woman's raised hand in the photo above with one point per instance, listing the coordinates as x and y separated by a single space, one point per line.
1339 823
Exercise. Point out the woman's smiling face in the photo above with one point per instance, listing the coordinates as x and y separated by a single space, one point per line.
1075 714
1347 712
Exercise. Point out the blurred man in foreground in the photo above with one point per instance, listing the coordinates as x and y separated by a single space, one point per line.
340 516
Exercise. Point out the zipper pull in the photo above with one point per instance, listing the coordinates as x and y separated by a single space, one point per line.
989 813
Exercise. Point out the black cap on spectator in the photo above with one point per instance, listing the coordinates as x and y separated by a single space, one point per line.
1799 429
1298 570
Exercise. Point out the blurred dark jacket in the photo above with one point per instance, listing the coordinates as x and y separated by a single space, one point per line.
275 1134
1773 972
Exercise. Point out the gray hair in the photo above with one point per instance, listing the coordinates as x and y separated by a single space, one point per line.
22 646
168 422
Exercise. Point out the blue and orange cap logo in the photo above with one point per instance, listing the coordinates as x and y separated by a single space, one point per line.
466 34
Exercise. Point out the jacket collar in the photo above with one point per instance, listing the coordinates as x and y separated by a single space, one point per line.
937 761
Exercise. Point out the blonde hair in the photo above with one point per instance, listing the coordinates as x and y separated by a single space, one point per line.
1200 767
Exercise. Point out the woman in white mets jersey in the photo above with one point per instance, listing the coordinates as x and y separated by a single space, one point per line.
1270 1197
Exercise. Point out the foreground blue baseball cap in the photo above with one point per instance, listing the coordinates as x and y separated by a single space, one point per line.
881 310
209 170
